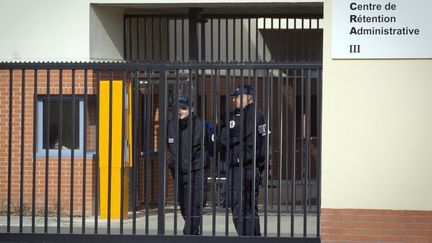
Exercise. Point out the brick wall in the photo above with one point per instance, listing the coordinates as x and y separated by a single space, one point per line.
39 163
362 225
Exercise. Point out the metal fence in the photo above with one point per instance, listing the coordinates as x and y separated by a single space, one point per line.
54 122
223 38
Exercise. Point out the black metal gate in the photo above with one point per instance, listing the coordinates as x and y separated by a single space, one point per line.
289 205
198 36
50 153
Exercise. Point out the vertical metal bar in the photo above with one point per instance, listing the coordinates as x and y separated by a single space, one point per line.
84 190
110 150
308 139
249 40
140 131
193 35
138 39
280 131
124 39
48 100
139 149
256 40
271 59
302 41
254 158
270 127
183 39
219 39
145 139
226 39
145 38
303 171
203 133
310 41
319 135
130 39
218 159
168 40
122 165
263 38
160 39
295 41
242 120
215 111
72 155
35 112
152 128
189 187
241 40
135 151
287 135
279 28
60 145
152 40
293 149
176 162
267 118
287 57
22 151
162 156
203 42
9 153
234 39
97 183
148 151
211 40
228 188
175 40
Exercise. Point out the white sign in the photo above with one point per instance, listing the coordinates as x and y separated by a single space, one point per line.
381 29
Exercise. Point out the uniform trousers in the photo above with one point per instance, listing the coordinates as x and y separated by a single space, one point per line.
246 221
197 200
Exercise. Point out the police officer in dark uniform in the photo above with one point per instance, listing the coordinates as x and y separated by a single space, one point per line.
242 211
188 156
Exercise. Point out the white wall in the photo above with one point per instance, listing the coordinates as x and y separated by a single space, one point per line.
71 30
44 30
377 129
106 33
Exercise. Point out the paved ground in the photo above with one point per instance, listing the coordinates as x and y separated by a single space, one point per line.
208 218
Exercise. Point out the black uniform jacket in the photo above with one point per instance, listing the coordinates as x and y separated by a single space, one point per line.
189 151
248 136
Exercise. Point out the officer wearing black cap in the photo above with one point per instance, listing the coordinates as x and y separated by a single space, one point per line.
244 220
188 153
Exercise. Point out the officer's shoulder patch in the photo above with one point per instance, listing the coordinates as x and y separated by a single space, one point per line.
170 140
232 124
262 129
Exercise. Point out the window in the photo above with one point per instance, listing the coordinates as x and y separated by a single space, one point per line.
48 136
